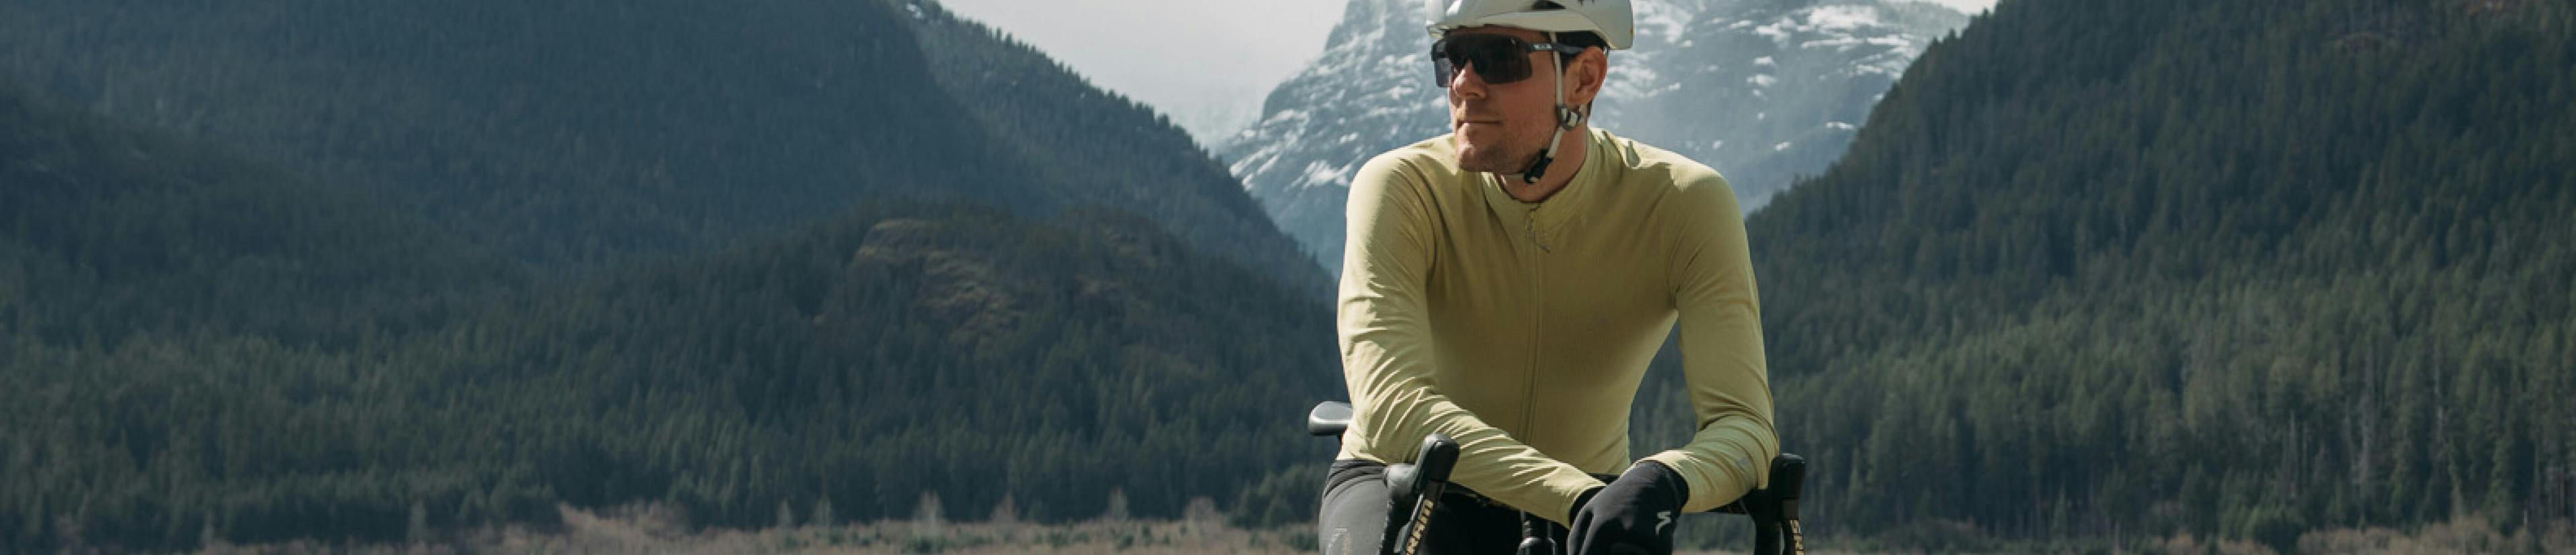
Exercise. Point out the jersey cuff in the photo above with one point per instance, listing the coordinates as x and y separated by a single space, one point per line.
1564 491
1709 486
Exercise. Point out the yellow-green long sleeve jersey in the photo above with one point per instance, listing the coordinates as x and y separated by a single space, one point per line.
1522 330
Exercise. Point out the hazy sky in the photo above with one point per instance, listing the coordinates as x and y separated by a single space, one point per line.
1969 6
1206 63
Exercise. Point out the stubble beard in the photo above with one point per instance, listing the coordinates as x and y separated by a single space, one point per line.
1494 156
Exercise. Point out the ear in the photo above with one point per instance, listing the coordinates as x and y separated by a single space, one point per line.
1590 70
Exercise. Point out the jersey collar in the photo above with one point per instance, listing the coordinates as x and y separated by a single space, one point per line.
1542 221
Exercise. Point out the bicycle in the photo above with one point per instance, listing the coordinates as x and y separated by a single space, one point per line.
1774 509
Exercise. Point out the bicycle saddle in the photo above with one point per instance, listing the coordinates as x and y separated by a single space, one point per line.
1328 418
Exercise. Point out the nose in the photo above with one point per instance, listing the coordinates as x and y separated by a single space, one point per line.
1466 83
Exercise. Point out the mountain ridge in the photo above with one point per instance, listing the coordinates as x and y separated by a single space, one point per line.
577 136
1700 81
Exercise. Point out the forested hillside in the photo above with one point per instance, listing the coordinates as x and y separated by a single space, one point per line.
2097 269
841 372
107 231
376 272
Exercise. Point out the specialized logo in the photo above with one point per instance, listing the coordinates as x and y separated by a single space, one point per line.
1663 519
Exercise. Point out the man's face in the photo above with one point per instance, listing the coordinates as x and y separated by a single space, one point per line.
1500 127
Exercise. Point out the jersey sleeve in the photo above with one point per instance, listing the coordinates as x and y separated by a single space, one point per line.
1721 342
1388 356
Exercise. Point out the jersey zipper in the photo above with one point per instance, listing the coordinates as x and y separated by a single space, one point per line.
1532 220
1538 310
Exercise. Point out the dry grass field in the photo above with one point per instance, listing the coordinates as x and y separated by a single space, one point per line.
652 531
647 530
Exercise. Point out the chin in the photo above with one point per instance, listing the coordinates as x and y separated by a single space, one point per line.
1476 158
1483 160
1469 161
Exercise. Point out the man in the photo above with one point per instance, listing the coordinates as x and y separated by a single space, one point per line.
1506 284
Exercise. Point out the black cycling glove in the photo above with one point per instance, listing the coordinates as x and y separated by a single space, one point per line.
1634 514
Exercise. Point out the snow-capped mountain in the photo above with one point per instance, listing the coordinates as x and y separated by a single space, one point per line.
1761 90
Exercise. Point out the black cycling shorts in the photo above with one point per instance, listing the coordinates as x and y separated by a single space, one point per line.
1357 518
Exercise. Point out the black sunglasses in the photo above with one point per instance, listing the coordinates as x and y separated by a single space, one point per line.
1498 59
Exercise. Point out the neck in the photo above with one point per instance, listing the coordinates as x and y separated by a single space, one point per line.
1570 151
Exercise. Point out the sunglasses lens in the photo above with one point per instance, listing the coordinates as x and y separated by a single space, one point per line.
1497 59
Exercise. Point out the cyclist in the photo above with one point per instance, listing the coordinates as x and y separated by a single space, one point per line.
1506 284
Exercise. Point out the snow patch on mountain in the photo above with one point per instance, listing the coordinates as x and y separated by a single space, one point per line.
1842 18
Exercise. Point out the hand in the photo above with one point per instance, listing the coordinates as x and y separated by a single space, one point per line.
1634 514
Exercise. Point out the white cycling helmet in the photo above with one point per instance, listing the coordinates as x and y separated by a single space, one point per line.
1609 18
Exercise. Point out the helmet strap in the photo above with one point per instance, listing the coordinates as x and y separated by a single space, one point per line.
1566 118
